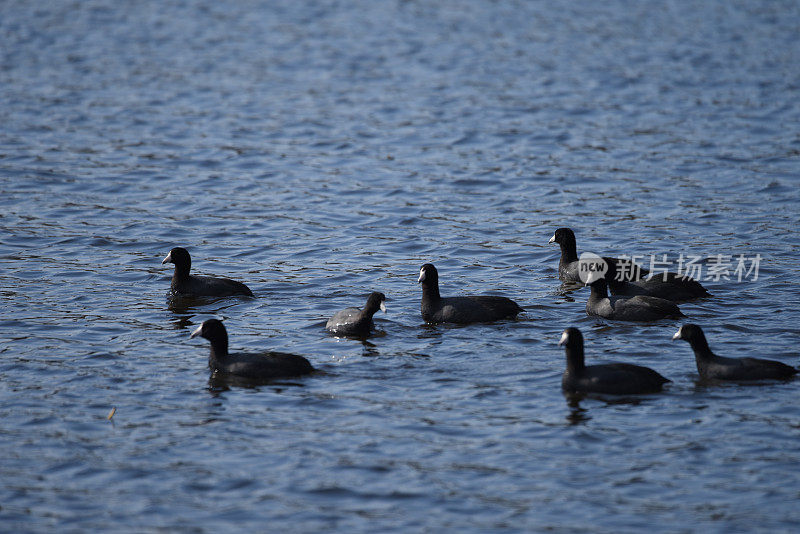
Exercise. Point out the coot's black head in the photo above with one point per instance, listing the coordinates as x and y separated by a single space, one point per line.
428 275
691 333
375 302
572 341
564 237
180 257
571 338
212 329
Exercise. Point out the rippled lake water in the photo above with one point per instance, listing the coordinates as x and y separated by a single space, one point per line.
319 151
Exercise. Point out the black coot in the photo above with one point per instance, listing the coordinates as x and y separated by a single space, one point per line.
568 264
255 366
356 322
638 308
667 285
188 285
608 378
460 310
711 366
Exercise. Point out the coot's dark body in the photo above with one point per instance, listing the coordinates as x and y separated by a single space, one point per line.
460 310
624 277
713 367
256 366
638 308
608 378
355 321
568 263
189 285
669 286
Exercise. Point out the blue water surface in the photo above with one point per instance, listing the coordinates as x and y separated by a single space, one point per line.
321 150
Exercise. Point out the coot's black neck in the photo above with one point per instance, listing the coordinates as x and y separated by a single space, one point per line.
575 358
599 290
219 350
430 290
370 309
700 346
569 251
181 272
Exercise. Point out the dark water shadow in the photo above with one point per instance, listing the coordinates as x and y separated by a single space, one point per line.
704 385
579 415
219 382
180 304
567 288
374 333
370 350
186 308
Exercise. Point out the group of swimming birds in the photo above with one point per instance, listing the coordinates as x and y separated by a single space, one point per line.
635 296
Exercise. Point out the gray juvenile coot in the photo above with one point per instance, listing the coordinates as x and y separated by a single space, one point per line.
568 264
638 308
356 322
248 365
460 310
711 366
668 285
186 284
609 378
